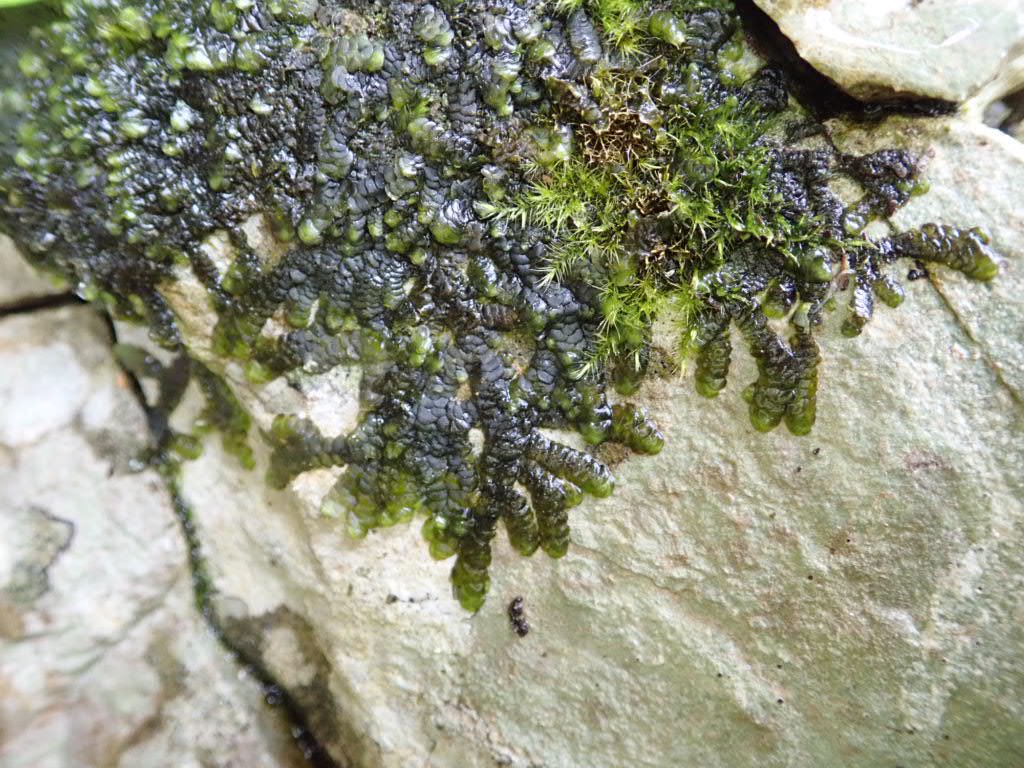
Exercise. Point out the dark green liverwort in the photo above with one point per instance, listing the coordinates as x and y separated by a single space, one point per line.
485 205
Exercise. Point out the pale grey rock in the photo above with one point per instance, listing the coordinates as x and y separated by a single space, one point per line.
878 49
976 179
852 598
1007 86
103 659
18 281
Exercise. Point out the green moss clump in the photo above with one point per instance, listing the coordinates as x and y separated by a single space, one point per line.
486 206
677 201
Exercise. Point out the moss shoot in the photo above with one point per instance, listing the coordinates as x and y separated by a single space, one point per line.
486 205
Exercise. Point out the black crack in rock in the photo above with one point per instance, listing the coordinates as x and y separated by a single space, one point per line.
308 699
486 205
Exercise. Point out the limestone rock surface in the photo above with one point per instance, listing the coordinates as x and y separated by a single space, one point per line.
850 598
104 660
18 281
878 49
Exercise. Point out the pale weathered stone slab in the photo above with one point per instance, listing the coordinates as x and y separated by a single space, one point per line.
877 49
18 281
103 658
852 598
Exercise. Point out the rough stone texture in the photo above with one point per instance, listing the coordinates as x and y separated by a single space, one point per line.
976 176
18 281
1001 95
852 598
103 658
877 49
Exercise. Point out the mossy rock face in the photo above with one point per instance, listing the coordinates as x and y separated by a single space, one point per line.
865 574
485 205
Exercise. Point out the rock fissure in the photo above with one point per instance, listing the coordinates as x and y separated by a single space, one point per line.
204 591
38 304
992 363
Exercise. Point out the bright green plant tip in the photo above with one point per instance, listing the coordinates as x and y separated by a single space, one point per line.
499 212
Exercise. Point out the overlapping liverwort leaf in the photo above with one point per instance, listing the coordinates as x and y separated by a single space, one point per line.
486 205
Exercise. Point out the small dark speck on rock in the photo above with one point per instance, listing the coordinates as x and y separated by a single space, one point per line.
919 272
517 617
